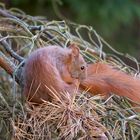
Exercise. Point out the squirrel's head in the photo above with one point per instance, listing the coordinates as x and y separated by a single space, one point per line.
78 66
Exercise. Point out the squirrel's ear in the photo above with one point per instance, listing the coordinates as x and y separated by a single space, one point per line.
75 49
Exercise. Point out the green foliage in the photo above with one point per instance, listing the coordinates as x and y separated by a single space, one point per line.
17 2
104 14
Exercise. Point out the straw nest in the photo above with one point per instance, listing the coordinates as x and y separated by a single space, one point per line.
84 116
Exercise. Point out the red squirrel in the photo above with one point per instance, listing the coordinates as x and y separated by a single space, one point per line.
100 79
104 79
52 68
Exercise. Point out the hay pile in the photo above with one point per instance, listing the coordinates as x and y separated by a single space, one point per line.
83 117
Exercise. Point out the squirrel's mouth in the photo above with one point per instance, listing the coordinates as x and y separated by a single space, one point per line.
75 76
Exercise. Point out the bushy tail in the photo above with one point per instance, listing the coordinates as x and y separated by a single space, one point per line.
103 79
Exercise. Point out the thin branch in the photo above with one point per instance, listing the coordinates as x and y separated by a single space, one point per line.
11 69
6 64
6 14
9 50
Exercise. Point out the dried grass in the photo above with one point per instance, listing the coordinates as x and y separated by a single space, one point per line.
55 120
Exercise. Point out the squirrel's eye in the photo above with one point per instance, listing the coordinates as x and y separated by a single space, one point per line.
82 68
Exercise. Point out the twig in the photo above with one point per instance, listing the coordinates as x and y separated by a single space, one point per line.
6 64
7 47
7 105
11 69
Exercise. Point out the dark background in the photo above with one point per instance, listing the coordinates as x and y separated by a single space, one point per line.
117 21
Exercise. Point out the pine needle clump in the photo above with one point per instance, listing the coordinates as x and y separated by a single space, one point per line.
61 120
80 118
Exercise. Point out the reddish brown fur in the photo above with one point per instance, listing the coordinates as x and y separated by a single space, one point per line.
49 67
103 79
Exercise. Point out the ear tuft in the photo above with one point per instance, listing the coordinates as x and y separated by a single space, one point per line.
75 49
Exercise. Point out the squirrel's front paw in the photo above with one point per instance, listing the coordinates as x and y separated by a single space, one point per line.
76 82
